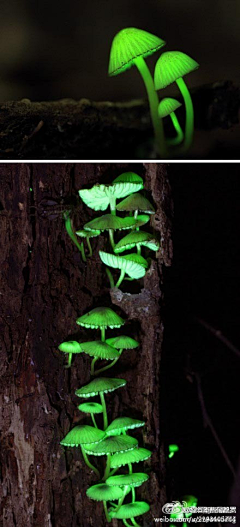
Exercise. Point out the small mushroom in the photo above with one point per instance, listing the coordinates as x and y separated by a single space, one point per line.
135 268
111 223
129 177
104 493
70 347
130 511
168 106
128 480
172 450
99 197
81 435
171 67
92 409
121 424
87 235
137 239
134 456
99 350
71 233
130 47
134 203
100 318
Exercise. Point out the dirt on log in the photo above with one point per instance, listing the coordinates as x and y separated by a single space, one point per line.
45 286
69 129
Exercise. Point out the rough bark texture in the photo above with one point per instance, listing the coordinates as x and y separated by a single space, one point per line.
83 129
44 287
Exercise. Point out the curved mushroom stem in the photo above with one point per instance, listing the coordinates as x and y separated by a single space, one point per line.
110 277
189 126
153 103
105 418
135 523
180 135
133 494
106 367
135 214
93 420
120 502
90 464
126 523
107 469
111 238
113 471
106 511
121 278
89 246
138 248
68 365
92 365
69 229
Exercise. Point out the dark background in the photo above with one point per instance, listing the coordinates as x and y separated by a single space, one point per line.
56 49
203 281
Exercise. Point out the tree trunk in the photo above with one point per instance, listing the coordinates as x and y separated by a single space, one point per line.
45 286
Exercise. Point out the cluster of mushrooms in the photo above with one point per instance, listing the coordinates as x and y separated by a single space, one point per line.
129 48
112 440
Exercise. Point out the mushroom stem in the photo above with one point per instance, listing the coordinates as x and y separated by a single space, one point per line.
135 214
121 500
126 523
138 248
90 464
135 523
189 125
107 469
69 229
93 420
106 367
130 468
110 277
121 278
153 103
103 333
92 365
89 246
179 137
111 238
113 471
68 365
106 511
133 494
112 203
105 419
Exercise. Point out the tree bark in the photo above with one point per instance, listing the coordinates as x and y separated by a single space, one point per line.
45 286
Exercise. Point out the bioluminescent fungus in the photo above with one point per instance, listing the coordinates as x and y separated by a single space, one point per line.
135 456
168 106
92 409
111 223
70 347
87 235
172 450
121 424
137 239
171 67
129 48
134 203
100 318
129 266
72 235
100 197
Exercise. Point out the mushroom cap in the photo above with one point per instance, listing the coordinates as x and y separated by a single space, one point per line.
173 448
134 456
136 238
130 510
136 202
102 384
129 44
129 177
121 424
123 342
167 106
83 434
131 267
100 349
91 408
88 234
135 480
138 258
99 196
111 445
100 317
109 221
71 346
172 65
104 492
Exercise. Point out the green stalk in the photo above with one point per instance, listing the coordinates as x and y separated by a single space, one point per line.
138 248
126 523
106 367
105 418
89 464
135 214
110 277
133 494
121 500
92 365
103 329
94 421
69 229
69 361
112 203
180 135
135 523
130 468
114 471
89 246
111 238
121 278
189 125
107 469
153 103
106 511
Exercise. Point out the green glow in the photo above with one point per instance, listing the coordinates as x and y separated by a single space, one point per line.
103 492
126 265
85 457
189 126
69 229
105 418
83 434
131 510
167 107
172 450
100 317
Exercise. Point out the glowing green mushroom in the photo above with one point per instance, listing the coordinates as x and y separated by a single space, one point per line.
129 177
130 510
99 350
92 409
122 342
172 450
111 223
72 235
70 347
137 239
87 235
99 387
81 435
134 203
129 47
100 318
104 493
135 480
167 107
99 197
128 266
172 66
121 424
134 456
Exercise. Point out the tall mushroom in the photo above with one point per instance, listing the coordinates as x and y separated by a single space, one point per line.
130 47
